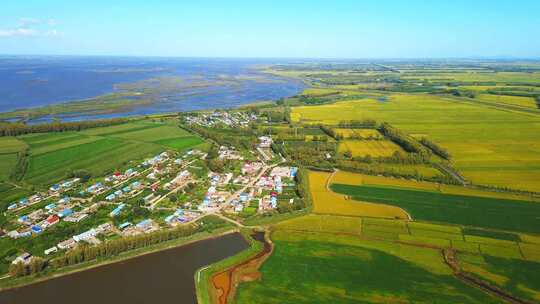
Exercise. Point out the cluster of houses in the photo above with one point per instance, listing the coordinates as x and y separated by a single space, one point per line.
54 190
63 186
181 216
229 119
89 236
264 190
144 226
272 183
229 153
39 220
118 177
125 191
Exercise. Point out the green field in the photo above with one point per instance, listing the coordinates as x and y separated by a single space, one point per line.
181 143
11 145
99 150
7 164
521 278
328 268
97 157
455 209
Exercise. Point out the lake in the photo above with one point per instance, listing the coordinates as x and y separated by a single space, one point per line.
161 277
205 83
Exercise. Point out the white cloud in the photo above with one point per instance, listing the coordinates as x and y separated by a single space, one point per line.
32 27
24 22
19 32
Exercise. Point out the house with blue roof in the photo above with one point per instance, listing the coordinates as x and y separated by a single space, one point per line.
36 229
65 212
117 210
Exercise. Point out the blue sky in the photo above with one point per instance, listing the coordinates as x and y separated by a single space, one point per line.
293 28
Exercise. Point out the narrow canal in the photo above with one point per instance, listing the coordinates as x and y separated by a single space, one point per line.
161 277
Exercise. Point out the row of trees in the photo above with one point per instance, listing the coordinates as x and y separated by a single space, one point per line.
438 150
22 165
373 169
14 129
365 124
111 248
537 101
36 265
396 158
408 143
115 247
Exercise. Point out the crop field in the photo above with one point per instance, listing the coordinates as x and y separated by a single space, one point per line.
503 77
120 129
97 157
527 102
520 277
318 250
181 143
7 164
493 213
319 92
153 134
375 148
47 143
361 133
328 202
335 268
349 178
99 150
11 145
485 142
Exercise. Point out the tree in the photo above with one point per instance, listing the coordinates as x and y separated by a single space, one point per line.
17 269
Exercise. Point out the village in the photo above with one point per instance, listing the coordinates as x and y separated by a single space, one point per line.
160 192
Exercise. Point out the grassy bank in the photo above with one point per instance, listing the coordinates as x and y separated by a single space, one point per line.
203 276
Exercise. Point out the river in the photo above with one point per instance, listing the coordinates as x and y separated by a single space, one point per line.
161 277
175 84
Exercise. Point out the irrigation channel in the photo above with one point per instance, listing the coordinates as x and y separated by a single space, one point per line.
161 277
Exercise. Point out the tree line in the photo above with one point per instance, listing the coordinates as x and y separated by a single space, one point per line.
18 128
408 143
438 150
107 249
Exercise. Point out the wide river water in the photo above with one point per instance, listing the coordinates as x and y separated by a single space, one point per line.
161 277
28 82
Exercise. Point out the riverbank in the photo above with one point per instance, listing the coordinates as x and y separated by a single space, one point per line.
7 283
204 275
225 283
